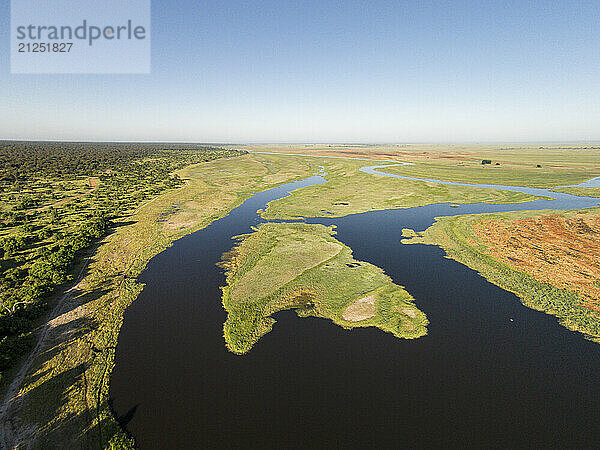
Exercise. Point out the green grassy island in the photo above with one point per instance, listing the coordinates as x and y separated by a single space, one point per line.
303 267
80 221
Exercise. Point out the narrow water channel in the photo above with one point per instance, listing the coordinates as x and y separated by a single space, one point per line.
491 372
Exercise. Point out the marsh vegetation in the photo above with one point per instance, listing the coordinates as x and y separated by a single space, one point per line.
56 200
303 267
136 202
350 191
549 259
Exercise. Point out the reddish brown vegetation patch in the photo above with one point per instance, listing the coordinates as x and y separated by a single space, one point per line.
563 251
393 155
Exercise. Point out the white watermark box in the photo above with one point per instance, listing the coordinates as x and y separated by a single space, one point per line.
80 36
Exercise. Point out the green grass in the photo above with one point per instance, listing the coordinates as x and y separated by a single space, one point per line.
513 164
349 191
65 394
303 267
457 237
505 174
581 191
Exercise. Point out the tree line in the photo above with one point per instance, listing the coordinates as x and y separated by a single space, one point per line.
39 248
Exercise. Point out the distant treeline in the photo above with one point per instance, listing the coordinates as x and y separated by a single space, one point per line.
41 239
22 159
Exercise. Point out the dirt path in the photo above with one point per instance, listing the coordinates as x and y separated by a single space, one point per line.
93 186
11 400
361 309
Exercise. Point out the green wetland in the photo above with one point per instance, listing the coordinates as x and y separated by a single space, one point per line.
309 271
480 376
305 330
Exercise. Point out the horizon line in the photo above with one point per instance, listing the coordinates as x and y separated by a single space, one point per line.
342 143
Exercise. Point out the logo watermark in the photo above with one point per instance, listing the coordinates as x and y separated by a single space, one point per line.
80 36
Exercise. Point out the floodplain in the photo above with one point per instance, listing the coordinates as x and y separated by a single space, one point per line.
330 250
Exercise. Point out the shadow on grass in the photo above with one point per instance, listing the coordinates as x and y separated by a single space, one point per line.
89 428
67 375
116 225
65 335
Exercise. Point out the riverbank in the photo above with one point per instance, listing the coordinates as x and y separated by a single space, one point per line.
547 258
349 190
303 267
63 399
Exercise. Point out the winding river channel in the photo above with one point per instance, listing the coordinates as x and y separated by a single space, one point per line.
490 372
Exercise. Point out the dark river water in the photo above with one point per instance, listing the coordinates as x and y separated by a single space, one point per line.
490 372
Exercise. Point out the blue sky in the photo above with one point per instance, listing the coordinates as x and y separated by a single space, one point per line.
332 71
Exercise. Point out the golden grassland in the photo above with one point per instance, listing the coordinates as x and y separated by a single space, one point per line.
303 267
562 250
550 259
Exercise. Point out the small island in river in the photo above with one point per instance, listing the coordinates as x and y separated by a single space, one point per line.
303 267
